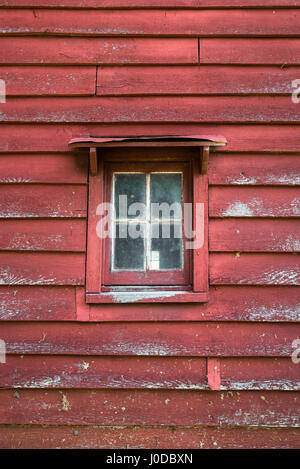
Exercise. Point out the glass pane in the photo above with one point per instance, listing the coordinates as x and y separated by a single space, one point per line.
165 195
132 190
129 246
166 246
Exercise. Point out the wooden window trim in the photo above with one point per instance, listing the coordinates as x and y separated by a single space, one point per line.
95 293
94 271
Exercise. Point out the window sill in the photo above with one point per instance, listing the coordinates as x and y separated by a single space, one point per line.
148 297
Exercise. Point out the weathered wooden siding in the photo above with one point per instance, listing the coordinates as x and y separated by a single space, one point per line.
136 376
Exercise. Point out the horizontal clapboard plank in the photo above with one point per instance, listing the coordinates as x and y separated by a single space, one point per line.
254 269
225 235
24 268
67 168
246 374
165 4
72 50
194 80
160 437
103 372
250 51
37 303
226 201
27 201
148 3
250 22
151 109
226 303
254 169
37 80
36 372
151 339
156 407
46 235
55 137
259 235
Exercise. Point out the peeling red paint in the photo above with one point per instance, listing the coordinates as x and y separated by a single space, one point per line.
217 374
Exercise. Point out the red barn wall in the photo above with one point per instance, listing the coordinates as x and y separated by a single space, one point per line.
85 67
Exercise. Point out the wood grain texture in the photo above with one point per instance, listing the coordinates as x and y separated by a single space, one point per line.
200 265
160 437
104 372
81 372
48 235
162 4
139 407
66 168
273 51
256 373
72 50
246 109
151 339
38 80
28 201
254 269
258 236
36 303
213 374
229 201
254 169
183 80
252 22
95 244
135 375
227 303
55 137
225 269
27 268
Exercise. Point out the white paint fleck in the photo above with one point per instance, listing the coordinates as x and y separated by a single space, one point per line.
255 207
242 179
273 312
261 384
271 178
14 180
8 278
238 209
40 383
292 178
132 297
291 244
276 277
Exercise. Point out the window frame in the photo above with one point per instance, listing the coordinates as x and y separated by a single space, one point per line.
180 277
96 292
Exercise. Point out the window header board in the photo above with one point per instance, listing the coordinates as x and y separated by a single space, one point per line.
159 140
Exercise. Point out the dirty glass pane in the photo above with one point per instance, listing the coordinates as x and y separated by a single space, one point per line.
129 249
165 190
133 187
166 246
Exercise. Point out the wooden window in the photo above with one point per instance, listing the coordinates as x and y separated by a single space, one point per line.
142 251
147 237
147 242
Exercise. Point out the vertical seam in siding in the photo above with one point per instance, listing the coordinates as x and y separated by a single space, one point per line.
82 309
96 80
198 50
